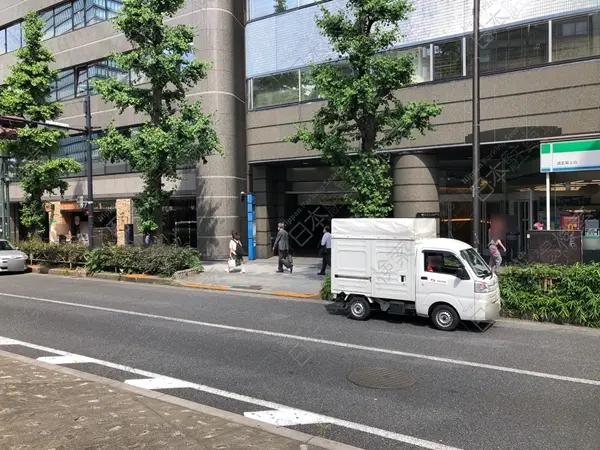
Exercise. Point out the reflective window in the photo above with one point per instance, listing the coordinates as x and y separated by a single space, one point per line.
13 37
447 60
513 48
261 8
576 37
308 90
421 58
276 89
2 42
76 82
77 14
64 87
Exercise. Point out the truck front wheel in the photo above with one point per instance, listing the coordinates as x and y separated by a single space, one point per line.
359 308
445 317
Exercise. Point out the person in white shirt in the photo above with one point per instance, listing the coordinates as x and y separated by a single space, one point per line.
325 250
236 253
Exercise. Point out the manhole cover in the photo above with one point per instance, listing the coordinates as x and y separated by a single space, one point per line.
381 378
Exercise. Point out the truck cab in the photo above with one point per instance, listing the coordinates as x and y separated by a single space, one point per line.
399 266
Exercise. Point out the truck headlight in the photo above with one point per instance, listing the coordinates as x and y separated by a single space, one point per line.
481 287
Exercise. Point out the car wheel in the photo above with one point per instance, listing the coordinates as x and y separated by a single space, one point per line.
445 317
359 308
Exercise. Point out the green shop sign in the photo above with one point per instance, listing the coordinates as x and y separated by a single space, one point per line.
570 156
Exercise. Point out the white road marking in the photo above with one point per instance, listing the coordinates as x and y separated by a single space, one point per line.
458 362
246 399
159 383
69 359
285 417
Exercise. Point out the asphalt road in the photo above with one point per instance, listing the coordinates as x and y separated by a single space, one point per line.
515 386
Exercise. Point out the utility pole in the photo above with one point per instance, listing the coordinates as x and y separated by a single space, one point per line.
476 127
90 184
3 198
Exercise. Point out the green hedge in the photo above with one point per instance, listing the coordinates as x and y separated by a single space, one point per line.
326 288
540 292
54 254
163 260
552 293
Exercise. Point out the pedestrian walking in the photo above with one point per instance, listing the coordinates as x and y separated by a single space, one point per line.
325 250
495 255
236 253
281 248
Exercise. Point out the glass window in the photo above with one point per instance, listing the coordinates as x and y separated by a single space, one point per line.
276 89
513 48
48 19
95 11
260 8
2 42
82 81
447 60
64 87
78 14
63 19
421 58
441 262
13 37
308 90
576 37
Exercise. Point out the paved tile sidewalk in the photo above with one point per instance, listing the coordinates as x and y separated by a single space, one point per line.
43 408
261 277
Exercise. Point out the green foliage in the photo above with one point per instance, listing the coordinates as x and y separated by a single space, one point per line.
280 6
25 94
560 294
363 114
163 260
167 140
38 177
50 253
325 291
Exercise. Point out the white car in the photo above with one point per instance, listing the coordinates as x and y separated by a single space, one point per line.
11 259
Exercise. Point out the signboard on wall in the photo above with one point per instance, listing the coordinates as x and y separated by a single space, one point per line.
570 156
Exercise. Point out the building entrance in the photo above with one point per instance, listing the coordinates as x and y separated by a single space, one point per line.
515 212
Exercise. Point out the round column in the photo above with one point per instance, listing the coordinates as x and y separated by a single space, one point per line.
415 184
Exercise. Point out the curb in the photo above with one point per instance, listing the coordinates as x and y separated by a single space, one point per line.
198 407
149 279
216 287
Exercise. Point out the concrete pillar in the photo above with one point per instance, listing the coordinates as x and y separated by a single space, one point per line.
124 216
415 184
220 39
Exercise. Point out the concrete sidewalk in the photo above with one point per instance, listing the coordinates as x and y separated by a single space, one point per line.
261 277
50 407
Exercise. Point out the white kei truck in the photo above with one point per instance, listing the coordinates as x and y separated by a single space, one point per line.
400 266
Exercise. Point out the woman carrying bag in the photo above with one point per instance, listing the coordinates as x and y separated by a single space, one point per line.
236 254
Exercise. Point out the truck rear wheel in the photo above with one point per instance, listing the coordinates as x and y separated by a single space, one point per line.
445 317
359 308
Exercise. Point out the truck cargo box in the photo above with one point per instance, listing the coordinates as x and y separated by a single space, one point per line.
376 257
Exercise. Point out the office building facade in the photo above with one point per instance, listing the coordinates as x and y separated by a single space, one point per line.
540 65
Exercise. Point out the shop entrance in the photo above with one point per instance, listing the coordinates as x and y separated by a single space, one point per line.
516 211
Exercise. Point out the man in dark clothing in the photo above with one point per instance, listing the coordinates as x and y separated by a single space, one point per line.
282 247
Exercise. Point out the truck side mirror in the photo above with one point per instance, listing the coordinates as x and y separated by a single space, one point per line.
460 273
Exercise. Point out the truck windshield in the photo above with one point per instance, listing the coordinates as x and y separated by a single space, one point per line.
476 262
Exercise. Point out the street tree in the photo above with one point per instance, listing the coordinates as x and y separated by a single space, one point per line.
175 131
364 113
26 94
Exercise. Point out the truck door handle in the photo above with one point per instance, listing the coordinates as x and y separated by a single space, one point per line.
423 278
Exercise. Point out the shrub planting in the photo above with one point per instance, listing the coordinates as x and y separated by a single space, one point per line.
550 293
162 260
